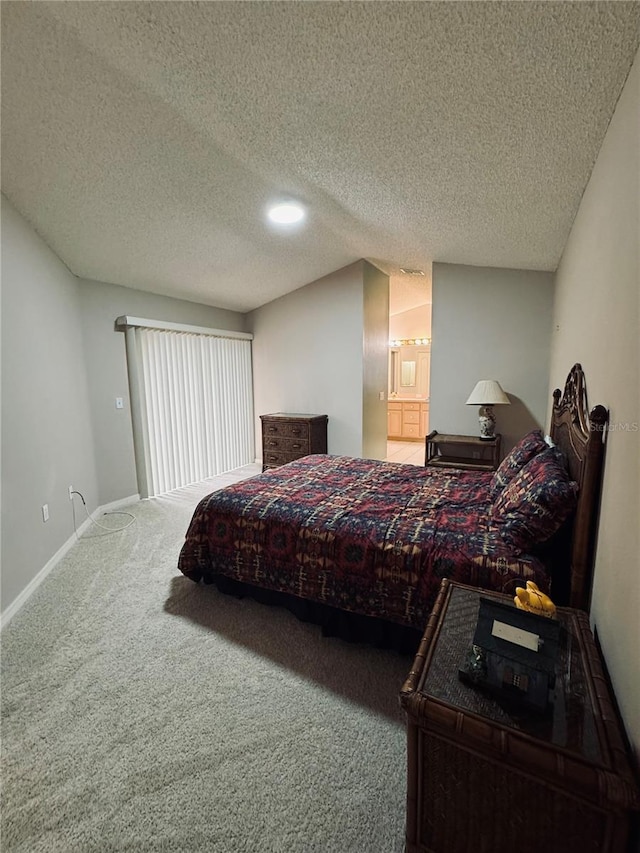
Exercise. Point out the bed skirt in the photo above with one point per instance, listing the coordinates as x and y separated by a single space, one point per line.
350 627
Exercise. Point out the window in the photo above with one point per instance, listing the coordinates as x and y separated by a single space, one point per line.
191 402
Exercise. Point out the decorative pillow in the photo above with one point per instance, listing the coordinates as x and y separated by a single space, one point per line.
528 447
536 502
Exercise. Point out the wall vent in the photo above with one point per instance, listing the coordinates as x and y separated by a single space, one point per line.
409 271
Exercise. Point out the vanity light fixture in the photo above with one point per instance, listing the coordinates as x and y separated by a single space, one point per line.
404 342
286 213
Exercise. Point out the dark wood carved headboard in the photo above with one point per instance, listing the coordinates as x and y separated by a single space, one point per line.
580 434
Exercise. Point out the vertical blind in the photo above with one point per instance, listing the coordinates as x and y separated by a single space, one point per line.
192 405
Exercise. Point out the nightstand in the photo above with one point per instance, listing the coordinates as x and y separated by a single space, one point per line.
486 777
462 451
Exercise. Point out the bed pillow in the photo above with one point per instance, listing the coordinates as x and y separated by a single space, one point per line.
528 447
536 502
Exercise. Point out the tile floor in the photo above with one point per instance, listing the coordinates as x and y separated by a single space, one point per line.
409 452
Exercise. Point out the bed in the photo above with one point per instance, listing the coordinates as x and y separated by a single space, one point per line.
355 542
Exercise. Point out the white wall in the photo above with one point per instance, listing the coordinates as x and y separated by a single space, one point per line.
414 323
597 323
106 366
307 356
47 441
490 324
63 365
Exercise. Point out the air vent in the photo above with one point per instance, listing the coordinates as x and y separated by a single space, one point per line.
408 271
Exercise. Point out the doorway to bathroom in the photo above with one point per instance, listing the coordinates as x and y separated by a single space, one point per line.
409 366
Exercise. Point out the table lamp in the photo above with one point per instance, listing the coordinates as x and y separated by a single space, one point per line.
487 394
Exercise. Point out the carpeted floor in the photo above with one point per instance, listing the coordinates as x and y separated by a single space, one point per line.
141 712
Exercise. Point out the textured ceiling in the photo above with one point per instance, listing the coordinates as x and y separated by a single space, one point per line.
144 140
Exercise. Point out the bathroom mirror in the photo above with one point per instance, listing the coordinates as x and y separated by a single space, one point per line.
393 372
407 373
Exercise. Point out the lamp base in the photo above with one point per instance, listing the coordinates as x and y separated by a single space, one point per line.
487 423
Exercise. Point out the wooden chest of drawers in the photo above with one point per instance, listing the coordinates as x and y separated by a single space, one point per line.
286 437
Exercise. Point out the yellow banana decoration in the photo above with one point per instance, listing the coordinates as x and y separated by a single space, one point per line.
534 601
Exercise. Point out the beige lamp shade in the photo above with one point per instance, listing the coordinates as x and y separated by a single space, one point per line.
488 392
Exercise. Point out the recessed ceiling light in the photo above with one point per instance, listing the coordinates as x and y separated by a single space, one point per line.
286 213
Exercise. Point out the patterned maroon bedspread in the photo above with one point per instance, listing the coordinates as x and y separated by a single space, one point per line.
370 537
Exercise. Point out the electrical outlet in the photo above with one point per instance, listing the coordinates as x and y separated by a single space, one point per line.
70 493
45 512
119 403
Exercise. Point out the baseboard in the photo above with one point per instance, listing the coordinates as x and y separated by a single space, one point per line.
7 615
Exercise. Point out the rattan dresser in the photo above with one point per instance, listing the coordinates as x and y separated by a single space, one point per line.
286 437
484 778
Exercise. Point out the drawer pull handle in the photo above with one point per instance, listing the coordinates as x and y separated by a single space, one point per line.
273 443
272 429
296 446
295 432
